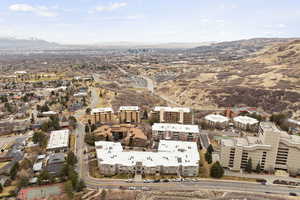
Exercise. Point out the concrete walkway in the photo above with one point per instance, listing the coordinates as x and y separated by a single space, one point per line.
269 178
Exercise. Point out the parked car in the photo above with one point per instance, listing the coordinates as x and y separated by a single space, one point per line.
293 194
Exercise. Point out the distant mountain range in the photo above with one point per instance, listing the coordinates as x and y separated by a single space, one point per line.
17 44
11 43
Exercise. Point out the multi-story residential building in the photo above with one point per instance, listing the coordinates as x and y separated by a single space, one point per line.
127 134
273 149
172 157
216 121
164 131
129 114
172 115
102 115
245 123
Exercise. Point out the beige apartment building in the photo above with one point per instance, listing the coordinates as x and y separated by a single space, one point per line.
183 132
216 121
129 114
245 123
172 115
273 149
102 115
172 157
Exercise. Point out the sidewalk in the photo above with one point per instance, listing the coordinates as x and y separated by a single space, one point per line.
269 178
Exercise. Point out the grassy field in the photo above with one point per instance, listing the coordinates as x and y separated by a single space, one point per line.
94 170
72 142
6 191
2 164
204 171
235 178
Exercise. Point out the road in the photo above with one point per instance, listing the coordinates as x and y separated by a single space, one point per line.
80 145
175 186
194 186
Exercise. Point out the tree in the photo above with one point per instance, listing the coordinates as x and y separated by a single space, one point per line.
80 186
1 188
64 170
39 138
44 176
278 118
26 164
145 116
258 168
73 177
208 157
210 149
88 111
73 121
103 195
71 159
89 139
32 120
216 170
44 108
23 182
68 187
8 107
3 99
249 166
93 127
84 101
14 170
87 128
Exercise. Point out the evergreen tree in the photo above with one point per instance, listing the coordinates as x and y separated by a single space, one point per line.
145 116
258 168
208 157
14 170
88 111
103 195
68 187
71 159
80 186
87 128
216 170
210 148
249 166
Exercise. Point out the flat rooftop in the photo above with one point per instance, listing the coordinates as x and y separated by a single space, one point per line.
172 109
170 153
100 110
175 127
216 118
269 126
58 139
245 120
294 121
131 108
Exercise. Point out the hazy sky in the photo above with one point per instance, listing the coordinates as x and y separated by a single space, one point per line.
89 21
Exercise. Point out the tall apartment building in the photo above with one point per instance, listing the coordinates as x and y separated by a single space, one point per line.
172 157
172 115
273 149
165 131
102 115
129 114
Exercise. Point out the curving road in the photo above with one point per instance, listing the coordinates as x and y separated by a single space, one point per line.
223 185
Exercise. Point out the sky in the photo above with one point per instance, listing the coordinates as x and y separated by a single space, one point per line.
148 21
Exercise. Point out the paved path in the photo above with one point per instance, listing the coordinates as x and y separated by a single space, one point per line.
269 178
